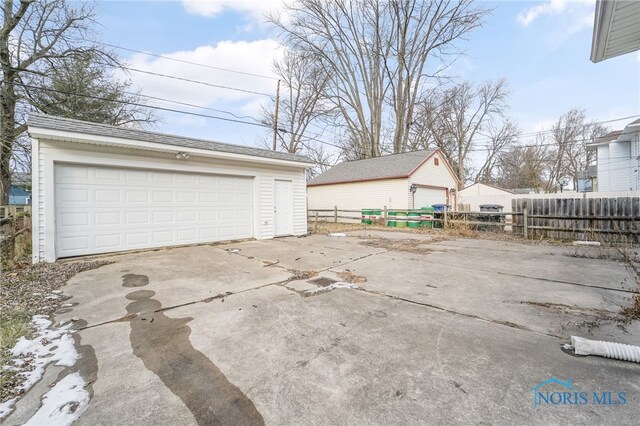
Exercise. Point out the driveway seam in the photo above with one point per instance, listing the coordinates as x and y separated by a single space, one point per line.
451 311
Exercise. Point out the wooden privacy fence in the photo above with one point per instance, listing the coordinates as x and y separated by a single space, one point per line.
614 220
14 210
15 237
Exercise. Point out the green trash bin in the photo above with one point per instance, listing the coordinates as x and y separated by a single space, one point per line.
426 217
391 218
374 215
365 216
401 219
413 219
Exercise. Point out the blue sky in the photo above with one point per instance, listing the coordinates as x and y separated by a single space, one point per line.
541 48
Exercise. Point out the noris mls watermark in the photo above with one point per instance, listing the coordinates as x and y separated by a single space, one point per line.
569 395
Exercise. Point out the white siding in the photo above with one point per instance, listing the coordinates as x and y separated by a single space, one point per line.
50 152
618 166
619 163
635 164
603 168
477 194
429 174
358 195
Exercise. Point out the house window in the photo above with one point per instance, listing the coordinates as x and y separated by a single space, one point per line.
436 161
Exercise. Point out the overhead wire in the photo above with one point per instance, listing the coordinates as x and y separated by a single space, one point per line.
258 123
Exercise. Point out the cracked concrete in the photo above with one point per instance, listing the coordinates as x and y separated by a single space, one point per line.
458 334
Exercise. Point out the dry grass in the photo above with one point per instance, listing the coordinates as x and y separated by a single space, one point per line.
408 245
302 275
331 227
352 278
25 291
633 266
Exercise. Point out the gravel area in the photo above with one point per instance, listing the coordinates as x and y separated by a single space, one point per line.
27 290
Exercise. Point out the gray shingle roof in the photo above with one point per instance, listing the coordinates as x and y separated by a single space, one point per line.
88 128
387 166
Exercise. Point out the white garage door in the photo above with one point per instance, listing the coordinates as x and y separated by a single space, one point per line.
429 196
101 210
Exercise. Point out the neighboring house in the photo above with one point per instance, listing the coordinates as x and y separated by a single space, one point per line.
100 188
18 196
398 181
18 193
473 196
618 159
615 30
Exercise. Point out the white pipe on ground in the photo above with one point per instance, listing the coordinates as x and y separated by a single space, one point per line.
582 346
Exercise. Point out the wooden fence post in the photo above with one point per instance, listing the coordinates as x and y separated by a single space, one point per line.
315 224
385 215
335 214
444 216
525 222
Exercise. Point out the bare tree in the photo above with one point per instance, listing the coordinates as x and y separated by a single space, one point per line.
34 35
453 117
421 32
568 137
500 138
375 53
302 104
522 167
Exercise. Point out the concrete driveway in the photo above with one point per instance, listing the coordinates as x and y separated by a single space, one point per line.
457 331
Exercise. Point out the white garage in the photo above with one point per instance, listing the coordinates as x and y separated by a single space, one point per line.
101 189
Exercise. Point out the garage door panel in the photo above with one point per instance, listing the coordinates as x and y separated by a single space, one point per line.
72 174
74 195
107 196
162 217
74 243
137 238
101 210
107 176
73 219
107 241
107 218
136 218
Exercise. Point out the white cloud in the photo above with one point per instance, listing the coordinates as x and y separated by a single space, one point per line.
552 7
254 57
253 8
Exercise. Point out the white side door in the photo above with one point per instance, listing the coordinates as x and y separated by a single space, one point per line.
283 207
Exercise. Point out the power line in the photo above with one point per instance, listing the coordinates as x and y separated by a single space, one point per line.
155 55
257 123
196 114
219 86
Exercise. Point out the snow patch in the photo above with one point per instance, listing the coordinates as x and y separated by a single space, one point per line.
330 287
337 234
7 407
63 404
48 346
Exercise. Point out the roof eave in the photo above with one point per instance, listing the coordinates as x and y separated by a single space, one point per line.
358 180
601 29
90 139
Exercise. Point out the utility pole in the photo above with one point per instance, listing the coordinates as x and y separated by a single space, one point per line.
275 121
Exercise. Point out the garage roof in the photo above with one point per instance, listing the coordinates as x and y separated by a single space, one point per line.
616 29
43 121
385 167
